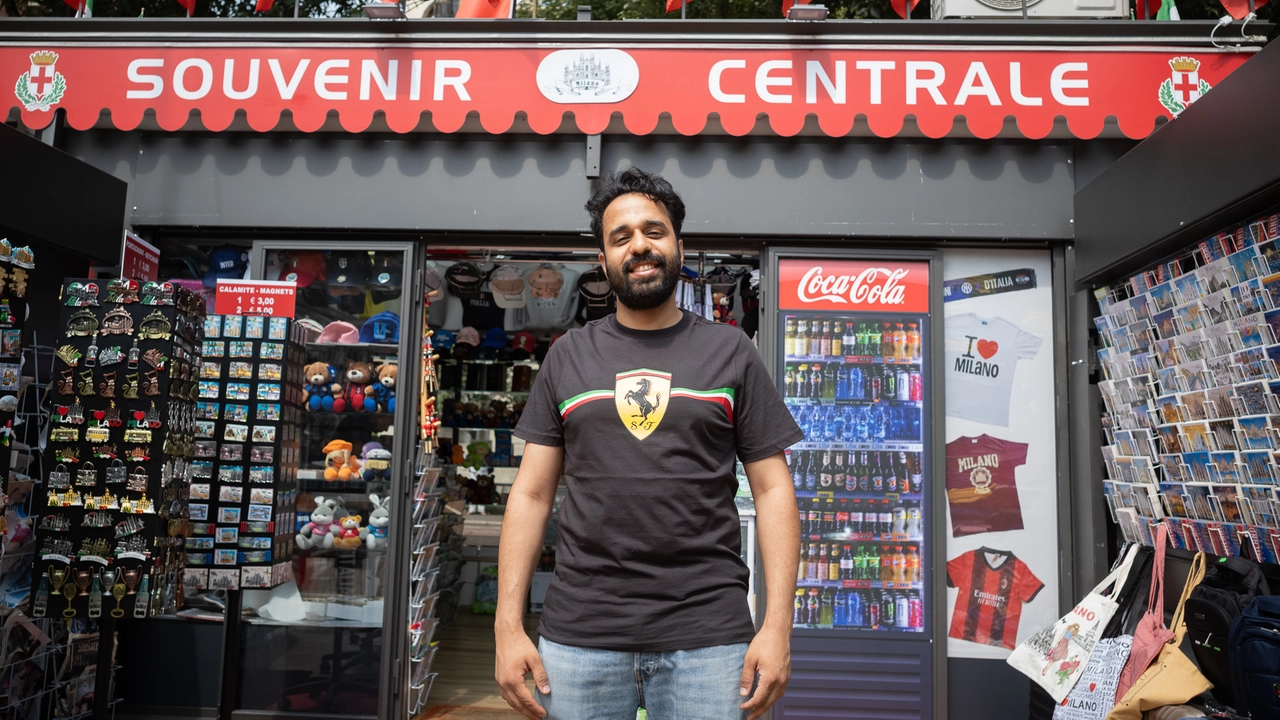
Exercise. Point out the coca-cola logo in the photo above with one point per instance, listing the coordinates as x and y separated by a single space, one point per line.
872 286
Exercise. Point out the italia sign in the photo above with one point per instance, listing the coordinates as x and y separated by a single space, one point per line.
409 88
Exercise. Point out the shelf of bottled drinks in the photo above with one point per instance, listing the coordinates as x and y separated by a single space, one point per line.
855 386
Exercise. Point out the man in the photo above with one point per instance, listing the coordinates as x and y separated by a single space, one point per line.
645 411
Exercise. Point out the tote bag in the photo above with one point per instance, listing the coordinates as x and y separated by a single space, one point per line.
1095 694
1151 634
1055 657
1173 679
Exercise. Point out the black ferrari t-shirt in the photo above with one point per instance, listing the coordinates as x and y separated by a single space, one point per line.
651 421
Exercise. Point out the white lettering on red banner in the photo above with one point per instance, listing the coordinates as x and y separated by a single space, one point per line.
256 297
442 85
876 285
865 287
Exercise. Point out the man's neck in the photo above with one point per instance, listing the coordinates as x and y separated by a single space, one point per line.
663 316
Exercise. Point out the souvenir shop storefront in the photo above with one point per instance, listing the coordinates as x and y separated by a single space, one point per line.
887 209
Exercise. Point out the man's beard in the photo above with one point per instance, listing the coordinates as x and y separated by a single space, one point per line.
650 292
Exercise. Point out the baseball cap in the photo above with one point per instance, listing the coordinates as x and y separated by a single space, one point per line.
432 282
524 340
312 328
495 338
304 267
545 282
348 270
381 328
226 262
339 333
443 339
465 280
597 294
468 336
388 271
275 262
507 285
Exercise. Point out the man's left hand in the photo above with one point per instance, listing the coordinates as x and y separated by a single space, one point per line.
769 657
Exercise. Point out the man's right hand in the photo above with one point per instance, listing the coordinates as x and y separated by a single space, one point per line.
516 657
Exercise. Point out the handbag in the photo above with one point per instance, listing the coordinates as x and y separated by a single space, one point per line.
1095 694
1173 679
1151 634
1055 657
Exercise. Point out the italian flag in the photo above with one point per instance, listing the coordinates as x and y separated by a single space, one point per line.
720 396
1168 11
84 8
578 401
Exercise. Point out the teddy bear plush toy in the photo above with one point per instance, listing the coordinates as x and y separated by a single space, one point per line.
339 463
384 387
349 537
320 529
355 392
318 394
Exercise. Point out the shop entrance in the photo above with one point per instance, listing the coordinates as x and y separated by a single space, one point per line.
495 313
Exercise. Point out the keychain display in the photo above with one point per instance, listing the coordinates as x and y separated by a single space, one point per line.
119 371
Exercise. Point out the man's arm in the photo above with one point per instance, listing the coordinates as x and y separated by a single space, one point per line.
524 526
778 528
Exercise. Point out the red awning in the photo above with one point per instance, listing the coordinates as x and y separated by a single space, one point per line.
837 85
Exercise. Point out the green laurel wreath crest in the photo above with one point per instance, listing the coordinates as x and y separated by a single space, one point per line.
1168 100
34 103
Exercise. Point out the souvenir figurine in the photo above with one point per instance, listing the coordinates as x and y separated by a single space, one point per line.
379 522
377 462
339 463
318 394
350 536
320 530
356 391
384 387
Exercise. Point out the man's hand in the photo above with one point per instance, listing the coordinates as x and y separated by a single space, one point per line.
516 657
769 657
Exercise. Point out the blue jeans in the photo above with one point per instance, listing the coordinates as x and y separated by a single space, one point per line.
589 684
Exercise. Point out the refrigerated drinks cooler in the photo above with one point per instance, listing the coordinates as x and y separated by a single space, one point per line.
850 348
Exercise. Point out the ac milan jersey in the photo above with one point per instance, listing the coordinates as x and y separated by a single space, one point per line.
981 489
993 586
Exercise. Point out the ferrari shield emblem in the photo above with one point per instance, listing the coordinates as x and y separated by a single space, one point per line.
642 397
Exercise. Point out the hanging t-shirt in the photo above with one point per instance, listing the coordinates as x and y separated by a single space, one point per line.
993 585
651 422
980 484
981 356
482 312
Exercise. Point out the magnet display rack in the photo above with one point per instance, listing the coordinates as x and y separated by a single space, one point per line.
244 486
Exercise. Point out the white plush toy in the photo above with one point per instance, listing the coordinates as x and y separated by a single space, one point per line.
320 531
379 521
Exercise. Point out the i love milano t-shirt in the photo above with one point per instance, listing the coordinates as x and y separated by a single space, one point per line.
981 488
981 356
993 586
651 421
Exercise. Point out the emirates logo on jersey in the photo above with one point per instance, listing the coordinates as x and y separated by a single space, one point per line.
872 286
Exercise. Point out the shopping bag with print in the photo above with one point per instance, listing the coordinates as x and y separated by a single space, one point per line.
1172 679
1054 657
1095 694
1151 634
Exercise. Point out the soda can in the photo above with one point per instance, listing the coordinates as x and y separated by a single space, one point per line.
917 385
917 611
903 611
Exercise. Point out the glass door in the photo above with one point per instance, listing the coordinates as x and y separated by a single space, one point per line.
334 647
855 385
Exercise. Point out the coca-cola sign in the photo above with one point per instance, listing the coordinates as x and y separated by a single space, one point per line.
853 285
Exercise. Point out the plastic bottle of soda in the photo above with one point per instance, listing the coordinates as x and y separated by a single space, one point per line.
826 611
841 610
801 614
814 607
886 564
846 564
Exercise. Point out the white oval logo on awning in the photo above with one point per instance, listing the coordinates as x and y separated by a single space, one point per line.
587 76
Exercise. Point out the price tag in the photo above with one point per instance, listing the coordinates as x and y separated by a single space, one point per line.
139 259
256 297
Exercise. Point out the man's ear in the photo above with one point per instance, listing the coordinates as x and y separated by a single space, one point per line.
600 257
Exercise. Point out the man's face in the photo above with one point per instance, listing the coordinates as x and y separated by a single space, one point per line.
642 255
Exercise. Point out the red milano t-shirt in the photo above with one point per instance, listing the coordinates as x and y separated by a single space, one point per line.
993 586
980 484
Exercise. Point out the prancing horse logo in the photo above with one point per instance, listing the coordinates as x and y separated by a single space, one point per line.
639 396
